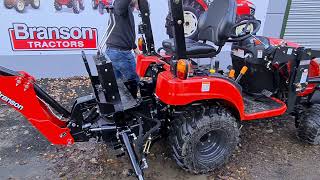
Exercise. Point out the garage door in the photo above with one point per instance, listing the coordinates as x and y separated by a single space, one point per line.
303 24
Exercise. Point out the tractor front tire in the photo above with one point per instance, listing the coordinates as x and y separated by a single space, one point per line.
35 4
9 4
203 138
309 125
57 6
76 6
20 6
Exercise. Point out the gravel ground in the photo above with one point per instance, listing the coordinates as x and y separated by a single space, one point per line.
269 149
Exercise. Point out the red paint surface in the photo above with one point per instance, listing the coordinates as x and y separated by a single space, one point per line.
314 71
177 92
34 109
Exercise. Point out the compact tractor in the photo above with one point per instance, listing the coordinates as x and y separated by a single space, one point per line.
199 108
193 9
20 5
101 5
76 5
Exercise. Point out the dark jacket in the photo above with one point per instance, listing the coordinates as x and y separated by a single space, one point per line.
123 35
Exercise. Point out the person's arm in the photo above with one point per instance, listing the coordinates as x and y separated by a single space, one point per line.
121 6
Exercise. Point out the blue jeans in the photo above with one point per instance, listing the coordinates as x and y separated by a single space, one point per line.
124 64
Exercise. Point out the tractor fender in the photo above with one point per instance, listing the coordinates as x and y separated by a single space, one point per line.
144 62
173 91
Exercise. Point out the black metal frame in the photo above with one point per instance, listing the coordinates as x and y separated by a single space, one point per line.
176 9
296 56
146 28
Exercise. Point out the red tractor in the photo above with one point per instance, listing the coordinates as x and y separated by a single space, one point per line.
199 108
20 5
101 4
76 5
194 8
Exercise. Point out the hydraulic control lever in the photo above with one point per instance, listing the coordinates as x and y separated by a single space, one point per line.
242 73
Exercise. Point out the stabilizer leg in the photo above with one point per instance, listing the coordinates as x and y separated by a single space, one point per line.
132 155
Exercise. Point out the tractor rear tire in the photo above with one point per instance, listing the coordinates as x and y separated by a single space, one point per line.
20 6
76 6
8 4
192 12
309 125
35 4
203 138
57 6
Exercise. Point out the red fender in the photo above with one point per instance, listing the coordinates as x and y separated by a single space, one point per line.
243 6
174 91
203 4
144 62
18 92
63 2
314 71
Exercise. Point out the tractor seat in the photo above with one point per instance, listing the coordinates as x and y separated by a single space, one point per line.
194 49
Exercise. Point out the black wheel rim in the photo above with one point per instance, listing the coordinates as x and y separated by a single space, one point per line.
211 146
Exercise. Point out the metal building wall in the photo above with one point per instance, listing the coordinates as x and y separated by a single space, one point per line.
303 24
274 18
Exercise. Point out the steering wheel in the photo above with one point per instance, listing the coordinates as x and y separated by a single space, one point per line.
246 27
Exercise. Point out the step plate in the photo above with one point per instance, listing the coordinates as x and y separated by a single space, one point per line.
261 104
128 102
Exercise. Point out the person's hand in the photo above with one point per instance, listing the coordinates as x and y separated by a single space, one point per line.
137 51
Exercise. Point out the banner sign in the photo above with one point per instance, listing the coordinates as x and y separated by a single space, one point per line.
61 27
26 38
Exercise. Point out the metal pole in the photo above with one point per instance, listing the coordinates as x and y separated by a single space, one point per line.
176 10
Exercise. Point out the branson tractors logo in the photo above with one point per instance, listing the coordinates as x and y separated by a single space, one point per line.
25 38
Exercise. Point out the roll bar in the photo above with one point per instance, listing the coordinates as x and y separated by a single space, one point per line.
145 27
176 9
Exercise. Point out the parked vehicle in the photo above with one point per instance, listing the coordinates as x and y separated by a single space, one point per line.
76 5
20 5
193 9
100 5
